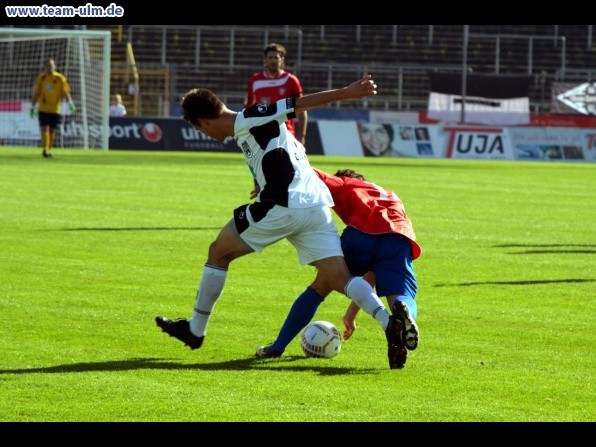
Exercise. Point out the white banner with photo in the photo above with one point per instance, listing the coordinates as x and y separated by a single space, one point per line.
554 144
351 138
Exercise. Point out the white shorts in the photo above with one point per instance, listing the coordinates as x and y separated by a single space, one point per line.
311 230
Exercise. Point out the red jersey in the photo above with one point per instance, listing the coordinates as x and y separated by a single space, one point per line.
263 89
369 208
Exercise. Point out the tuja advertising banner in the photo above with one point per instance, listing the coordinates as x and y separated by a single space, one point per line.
455 142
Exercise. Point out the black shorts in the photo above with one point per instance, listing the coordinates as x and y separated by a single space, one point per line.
49 119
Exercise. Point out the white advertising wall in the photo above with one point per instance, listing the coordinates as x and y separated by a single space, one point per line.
554 144
351 138
389 134
339 138
17 126
16 123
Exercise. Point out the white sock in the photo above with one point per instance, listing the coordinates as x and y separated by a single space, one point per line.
361 292
210 288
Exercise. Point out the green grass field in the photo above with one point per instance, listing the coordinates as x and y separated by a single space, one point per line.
95 244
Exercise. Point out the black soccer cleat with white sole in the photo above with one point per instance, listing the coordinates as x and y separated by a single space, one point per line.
409 328
396 351
267 352
179 329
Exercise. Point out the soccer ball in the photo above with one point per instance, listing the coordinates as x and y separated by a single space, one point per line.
320 339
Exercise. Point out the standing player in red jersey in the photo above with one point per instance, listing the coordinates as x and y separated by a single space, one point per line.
273 84
378 238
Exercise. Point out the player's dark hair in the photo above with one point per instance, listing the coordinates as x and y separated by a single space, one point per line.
349 173
201 103
275 47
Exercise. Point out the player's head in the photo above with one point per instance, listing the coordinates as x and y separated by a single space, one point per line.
201 109
49 65
275 57
349 173
201 103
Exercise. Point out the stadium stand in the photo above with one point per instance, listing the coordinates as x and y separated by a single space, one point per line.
172 59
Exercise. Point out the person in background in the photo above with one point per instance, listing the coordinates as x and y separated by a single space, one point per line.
376 139
275 83
49 89
116 106
378 238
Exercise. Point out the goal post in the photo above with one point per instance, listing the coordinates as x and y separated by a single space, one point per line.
83 57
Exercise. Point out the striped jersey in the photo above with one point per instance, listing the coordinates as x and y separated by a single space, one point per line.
276 158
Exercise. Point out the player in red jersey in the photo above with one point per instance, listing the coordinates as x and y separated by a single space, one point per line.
273 84
378 238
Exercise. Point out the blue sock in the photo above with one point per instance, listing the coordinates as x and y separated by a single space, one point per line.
302 311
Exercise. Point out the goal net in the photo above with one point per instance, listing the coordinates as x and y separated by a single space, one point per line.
83 57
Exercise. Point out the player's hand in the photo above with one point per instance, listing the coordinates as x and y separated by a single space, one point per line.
349 326
255 192
72 107
363 87
32 112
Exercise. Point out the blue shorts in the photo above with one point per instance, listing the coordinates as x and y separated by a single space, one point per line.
389 256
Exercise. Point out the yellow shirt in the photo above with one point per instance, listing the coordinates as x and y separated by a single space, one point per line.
49 88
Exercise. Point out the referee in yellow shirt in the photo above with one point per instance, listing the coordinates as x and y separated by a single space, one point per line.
50 86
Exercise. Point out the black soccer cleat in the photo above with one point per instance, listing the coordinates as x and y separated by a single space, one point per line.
409 328
396 350
266 352
180 329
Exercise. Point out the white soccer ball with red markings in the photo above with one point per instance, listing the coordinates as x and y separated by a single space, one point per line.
320 339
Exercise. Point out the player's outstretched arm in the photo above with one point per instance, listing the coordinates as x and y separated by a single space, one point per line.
349 320
356 90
